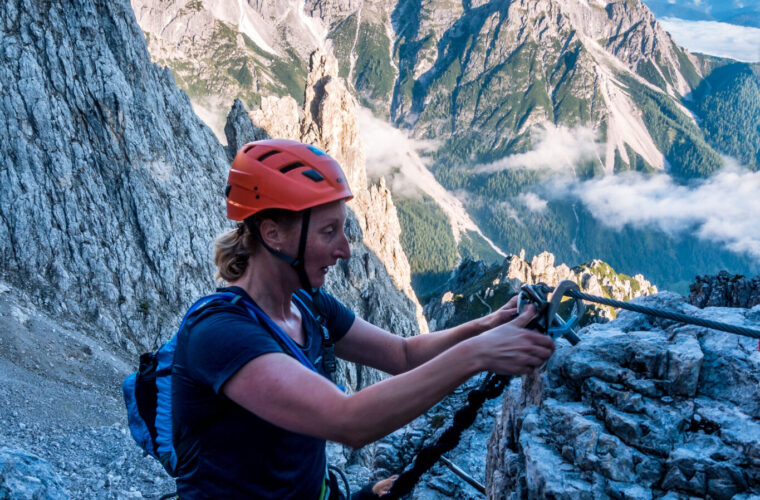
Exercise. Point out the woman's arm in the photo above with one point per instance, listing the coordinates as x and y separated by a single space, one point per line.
280 390
369 345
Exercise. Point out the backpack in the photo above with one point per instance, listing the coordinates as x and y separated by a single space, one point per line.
148 391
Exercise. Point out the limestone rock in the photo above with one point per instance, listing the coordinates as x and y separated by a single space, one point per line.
475 289
111 186
329 121
725 290
23 475
279 117
330 118
635 411
240 130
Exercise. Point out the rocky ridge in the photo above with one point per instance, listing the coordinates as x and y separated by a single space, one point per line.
456 56
475 288
725 290
524 63
639 409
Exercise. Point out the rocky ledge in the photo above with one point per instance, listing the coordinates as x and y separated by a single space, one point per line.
640 409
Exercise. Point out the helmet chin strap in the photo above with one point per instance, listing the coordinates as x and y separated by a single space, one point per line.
329 362
297 263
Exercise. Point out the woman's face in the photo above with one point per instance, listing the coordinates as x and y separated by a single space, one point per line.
326 242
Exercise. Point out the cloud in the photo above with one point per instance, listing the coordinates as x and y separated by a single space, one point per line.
715 38
556 149
724 208
390 153
532 202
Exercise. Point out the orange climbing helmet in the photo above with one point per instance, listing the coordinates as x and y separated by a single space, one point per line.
279 173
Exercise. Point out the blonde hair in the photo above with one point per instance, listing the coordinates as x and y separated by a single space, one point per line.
233 248
231 253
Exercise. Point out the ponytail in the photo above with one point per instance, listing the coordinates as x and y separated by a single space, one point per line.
231 252
233 248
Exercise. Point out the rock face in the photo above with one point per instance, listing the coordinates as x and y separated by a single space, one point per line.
638 409
725 290
471 69
476 288
26 476
111 186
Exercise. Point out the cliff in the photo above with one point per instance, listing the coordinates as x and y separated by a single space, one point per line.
111 186
111 193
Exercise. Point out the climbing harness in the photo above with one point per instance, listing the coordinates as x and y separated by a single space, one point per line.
549 303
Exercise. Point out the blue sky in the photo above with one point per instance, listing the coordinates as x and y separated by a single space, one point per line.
726 28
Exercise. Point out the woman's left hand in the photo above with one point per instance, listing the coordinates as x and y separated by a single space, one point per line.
504 314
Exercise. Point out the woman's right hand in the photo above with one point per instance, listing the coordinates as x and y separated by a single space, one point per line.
510 349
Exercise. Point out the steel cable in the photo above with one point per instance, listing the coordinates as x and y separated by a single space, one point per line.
681 318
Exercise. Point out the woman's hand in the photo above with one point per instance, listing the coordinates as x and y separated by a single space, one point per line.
510 349
504 314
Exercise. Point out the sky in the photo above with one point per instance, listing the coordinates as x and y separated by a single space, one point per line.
715 38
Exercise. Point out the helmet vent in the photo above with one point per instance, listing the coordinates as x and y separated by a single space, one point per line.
267 155
248 148
288 168
313 175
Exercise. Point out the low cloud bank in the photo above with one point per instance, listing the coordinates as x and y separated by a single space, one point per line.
556 149
715 38
390 153
724 208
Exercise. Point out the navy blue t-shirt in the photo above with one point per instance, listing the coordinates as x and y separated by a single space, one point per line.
233 453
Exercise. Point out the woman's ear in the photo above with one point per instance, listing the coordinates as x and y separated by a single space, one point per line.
271 233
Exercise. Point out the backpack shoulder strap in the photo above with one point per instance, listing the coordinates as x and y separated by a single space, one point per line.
303 298
328 346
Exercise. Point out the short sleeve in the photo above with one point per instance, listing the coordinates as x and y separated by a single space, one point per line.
339 317
221 341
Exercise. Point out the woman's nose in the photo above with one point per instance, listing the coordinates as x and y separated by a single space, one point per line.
344 249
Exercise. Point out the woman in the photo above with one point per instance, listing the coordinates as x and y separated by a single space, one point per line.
255 419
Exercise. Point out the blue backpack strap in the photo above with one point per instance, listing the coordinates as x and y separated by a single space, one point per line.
310 303
283 338
166 450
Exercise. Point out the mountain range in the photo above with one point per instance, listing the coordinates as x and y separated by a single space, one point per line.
529 105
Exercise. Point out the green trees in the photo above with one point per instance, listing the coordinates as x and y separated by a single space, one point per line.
428 242
728 102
